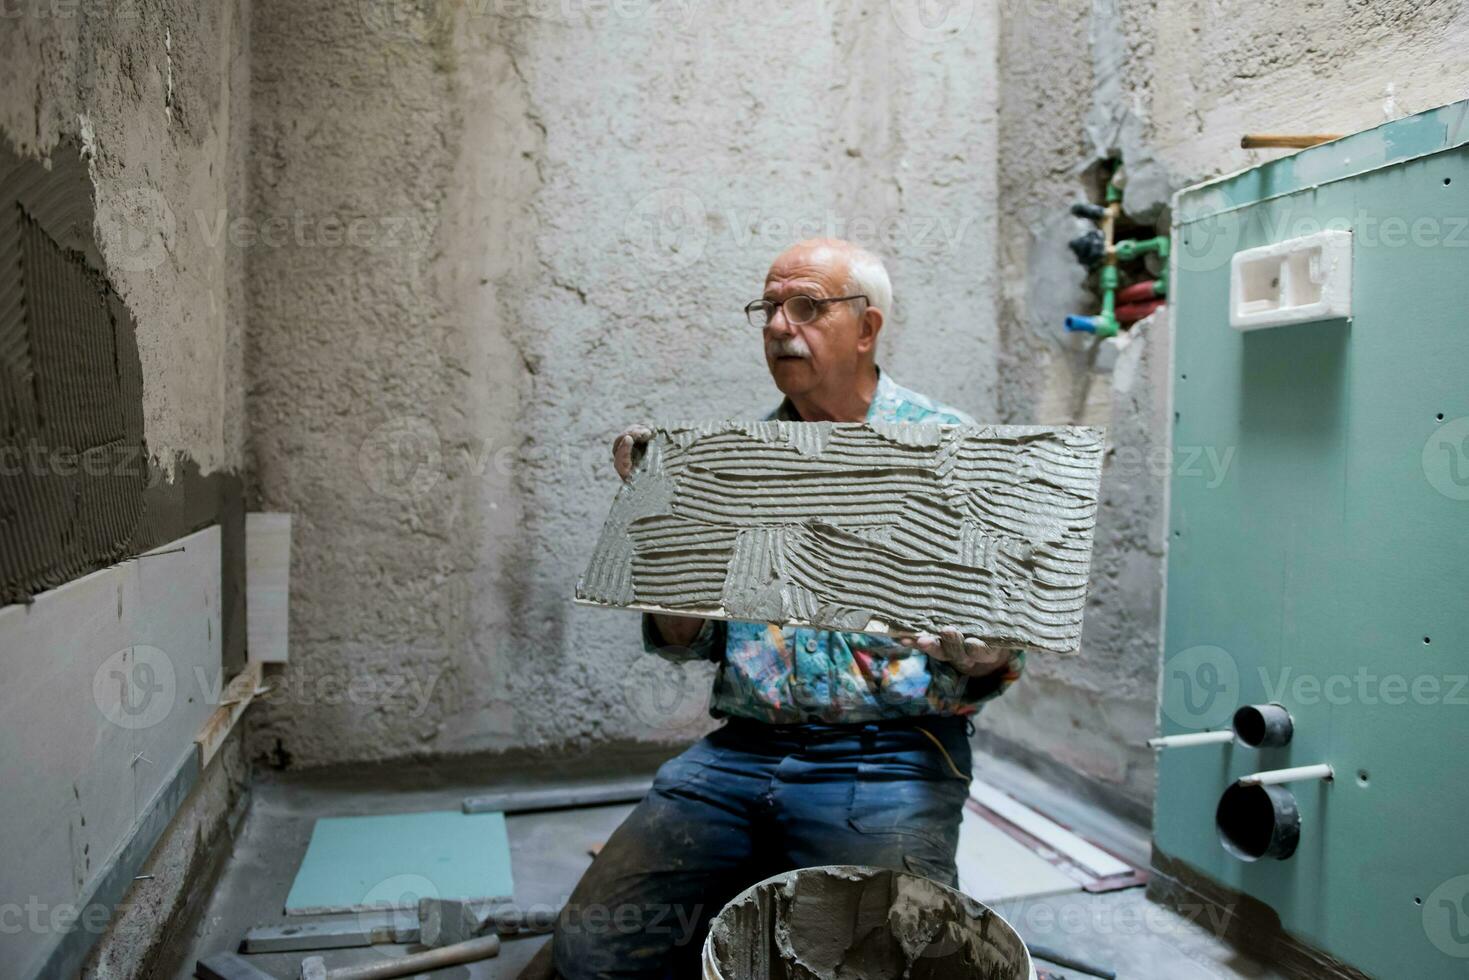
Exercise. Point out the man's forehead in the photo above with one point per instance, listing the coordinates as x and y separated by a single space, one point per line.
817 266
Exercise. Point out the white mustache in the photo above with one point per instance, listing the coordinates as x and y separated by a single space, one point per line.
787 347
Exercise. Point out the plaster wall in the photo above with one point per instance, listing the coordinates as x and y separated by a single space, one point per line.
156 93
591 192
1171 87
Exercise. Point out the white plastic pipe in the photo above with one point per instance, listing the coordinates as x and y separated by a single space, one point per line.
1192 738
1293 775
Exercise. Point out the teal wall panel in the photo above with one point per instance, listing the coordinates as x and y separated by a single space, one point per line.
1335 545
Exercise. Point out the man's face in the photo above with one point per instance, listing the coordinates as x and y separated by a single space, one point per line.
825 353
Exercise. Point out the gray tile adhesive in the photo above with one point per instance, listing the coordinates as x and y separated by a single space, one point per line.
71 411
865 527
847 923
78 489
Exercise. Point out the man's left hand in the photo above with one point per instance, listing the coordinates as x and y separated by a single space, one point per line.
965 654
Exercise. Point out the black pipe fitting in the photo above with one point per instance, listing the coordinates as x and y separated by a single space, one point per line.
1258 821
1090 249
1263 725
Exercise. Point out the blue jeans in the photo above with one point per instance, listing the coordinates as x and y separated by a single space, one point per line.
750 801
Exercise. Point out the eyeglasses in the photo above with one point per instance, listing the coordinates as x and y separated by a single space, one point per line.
799 309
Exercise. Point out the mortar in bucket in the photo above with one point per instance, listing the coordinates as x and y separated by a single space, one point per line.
853 923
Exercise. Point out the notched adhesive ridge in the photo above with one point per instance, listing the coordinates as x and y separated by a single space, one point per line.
884 528
71 415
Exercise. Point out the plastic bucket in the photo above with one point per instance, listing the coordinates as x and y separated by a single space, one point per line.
860 924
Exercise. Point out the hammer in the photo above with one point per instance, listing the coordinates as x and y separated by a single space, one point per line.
444 921
481 948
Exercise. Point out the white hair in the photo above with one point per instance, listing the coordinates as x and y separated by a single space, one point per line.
867 275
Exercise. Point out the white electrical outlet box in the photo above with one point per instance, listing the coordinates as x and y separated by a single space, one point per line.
1295 281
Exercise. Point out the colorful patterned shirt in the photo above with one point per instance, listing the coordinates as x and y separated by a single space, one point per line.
790 675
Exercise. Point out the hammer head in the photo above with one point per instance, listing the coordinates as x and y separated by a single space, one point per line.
446 921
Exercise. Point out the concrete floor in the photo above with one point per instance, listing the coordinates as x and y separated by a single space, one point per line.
549 851
1132 936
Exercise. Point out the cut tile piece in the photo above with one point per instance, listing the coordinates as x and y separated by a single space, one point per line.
393 860
995 867
876 528
1079 851
268 584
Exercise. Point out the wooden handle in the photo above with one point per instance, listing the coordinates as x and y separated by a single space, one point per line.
1260 141
466 952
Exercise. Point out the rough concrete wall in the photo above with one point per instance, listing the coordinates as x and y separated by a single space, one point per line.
600 188
1171 86
153 89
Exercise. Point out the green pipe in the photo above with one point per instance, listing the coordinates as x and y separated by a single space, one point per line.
1105 324
1106 321
1134 247
1137 247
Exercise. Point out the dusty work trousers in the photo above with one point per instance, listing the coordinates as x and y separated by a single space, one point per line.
750 801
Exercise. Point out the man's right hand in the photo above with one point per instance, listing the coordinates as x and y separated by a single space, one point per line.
628 448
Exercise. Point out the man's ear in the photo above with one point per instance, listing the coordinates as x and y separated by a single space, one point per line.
868 327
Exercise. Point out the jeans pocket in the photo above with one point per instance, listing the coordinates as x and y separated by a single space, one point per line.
683 772
928 809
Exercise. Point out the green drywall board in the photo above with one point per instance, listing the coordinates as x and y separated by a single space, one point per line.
1371 149
1335 543
392 860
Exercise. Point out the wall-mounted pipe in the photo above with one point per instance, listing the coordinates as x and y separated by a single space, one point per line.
1099 249
1262 141
1139 292
1130 313
1263 725
1190 739
1255 822
1295 774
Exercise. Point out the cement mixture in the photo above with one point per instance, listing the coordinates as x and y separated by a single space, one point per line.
850 923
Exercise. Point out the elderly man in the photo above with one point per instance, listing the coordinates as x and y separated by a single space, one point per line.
838 748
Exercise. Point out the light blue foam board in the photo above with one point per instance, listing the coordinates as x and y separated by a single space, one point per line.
392 860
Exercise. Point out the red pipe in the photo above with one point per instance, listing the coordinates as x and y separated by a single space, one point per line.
1137 292
1132 312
